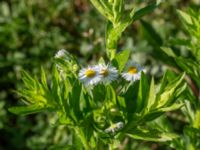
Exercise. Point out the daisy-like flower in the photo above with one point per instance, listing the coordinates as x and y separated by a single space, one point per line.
107 72
132 72
89 75
115 127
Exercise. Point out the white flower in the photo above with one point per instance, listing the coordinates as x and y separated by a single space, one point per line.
107 72
89 75
115 127
133 72
63 54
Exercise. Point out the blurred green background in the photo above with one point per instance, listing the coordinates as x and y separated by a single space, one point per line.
31 31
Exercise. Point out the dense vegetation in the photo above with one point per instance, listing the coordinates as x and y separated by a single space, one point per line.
167 38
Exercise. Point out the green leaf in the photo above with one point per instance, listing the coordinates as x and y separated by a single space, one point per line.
55 90
104 8
143 93
28 80
166 97
152 115
62 147
99 92
152 95
174 106
118 8
26 110
191 67
43 78
121 102
121 59
101 61
66 89
154 37
110 94
131 97
185 17
112 36
143 11
168 51
151 135
196 122
74 99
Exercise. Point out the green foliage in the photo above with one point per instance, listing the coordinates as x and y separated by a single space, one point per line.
119 20
120 59
116 115
79 108
189 63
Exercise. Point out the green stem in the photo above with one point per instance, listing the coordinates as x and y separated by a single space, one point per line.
111 53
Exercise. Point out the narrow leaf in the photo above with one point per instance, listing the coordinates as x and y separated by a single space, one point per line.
151 135
121 59
143 93
26 110
152 95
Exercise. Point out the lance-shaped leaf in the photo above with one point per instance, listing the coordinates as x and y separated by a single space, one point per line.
121 59
185 17
151 96
74 100
104 8
142 99
110 94
191 67
114 30
166 97
26 110
118 8
151 135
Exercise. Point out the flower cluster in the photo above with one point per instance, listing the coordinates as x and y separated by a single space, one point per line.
103 73
92 75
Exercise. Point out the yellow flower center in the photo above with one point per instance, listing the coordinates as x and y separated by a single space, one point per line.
132 70
104 72
90 73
